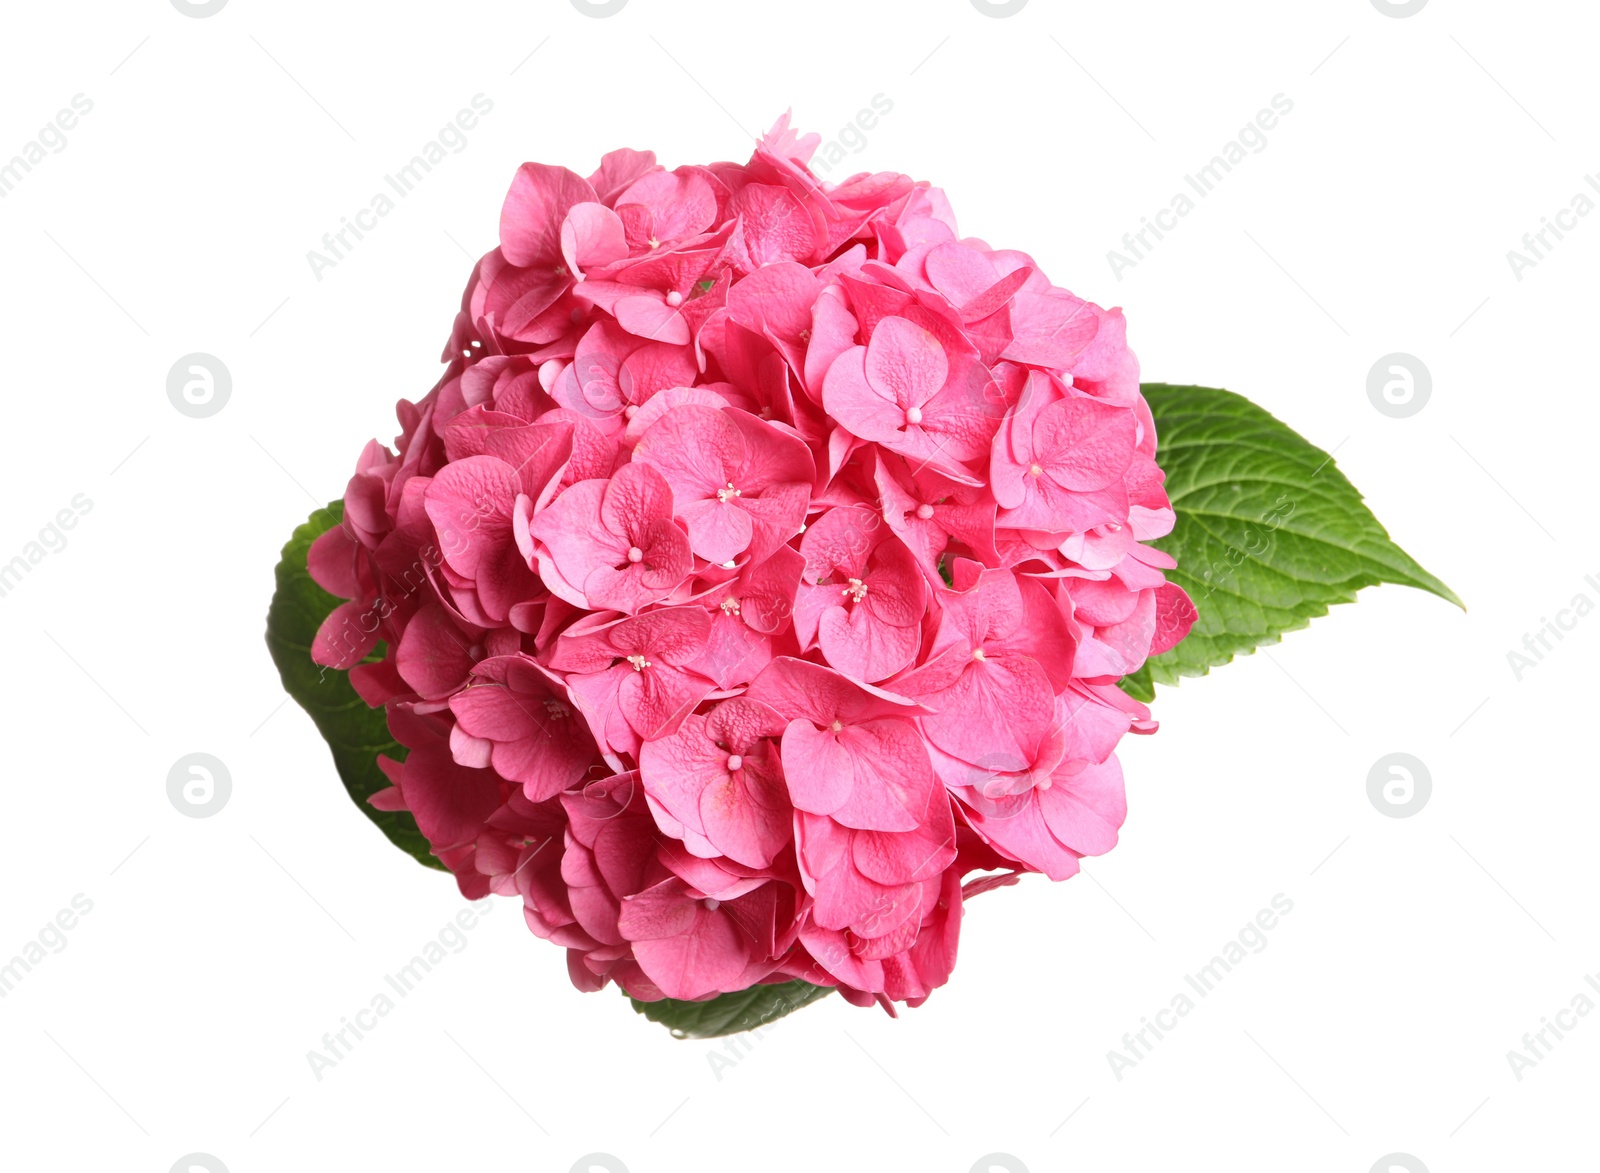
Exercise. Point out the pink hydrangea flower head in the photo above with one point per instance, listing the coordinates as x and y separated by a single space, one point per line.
751 591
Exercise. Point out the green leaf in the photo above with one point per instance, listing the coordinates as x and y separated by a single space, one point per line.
355 733
1269 535
728 1014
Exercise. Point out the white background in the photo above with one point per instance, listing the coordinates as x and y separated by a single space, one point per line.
1377 1020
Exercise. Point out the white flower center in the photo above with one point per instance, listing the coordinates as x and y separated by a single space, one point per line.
730 606
734 762
913 415
924 511
639 663
635 554
728 494
1034 470
857 590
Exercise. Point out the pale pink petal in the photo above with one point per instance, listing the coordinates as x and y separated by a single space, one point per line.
591 237
530 221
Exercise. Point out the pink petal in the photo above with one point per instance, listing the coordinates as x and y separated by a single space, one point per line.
893 780
681 203
469 503
591 237
905 362
776 300
435 655
773 227
1049 329
648 316
1084 444
705 955
1175 615
1085 809
863 646
530 221
820 769
848 397
332 562
618 169
350 631
656 698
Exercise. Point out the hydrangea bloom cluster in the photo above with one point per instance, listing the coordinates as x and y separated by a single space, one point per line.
754 584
